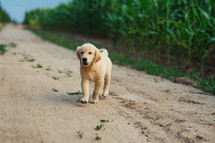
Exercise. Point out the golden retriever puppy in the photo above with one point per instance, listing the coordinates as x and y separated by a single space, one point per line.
95 67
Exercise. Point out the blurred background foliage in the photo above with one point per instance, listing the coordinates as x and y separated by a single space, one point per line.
175 33
4 17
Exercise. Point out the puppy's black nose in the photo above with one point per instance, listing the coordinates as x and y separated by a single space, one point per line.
84 60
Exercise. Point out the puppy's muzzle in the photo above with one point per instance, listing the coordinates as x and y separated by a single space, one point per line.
84 60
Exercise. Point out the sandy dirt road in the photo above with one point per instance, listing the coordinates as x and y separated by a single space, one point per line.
139 109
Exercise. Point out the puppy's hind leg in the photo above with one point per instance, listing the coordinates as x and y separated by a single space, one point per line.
85 90
106 85
101 92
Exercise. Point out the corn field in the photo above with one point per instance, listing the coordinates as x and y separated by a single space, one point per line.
178 33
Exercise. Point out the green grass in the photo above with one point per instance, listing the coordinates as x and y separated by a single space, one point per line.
3 49
98 127
206 85
98 137
104 121
54 90
68 73
37 66
74 93
48 68
31 60
56 78
27 58
12 44
80 134
148 66
57 39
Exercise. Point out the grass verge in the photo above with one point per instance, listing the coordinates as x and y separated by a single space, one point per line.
206 85
56 38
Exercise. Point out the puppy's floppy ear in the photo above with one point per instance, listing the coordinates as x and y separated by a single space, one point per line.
97 56
78 52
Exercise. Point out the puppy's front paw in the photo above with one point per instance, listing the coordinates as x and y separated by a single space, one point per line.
84 101
94 101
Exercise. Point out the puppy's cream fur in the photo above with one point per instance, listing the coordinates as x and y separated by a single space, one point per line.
95 67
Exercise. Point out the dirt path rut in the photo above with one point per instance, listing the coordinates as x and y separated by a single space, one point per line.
138 108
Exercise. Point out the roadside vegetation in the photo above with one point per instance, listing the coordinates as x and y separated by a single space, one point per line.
147 35
150 67
3 49
4 17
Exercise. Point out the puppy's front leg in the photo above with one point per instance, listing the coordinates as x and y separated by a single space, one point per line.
85 90
97 91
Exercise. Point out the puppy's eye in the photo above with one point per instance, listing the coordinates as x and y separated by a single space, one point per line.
90 53
82 52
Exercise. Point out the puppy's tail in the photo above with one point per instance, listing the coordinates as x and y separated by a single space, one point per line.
104 52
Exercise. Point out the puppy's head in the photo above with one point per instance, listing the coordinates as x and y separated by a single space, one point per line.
88 54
